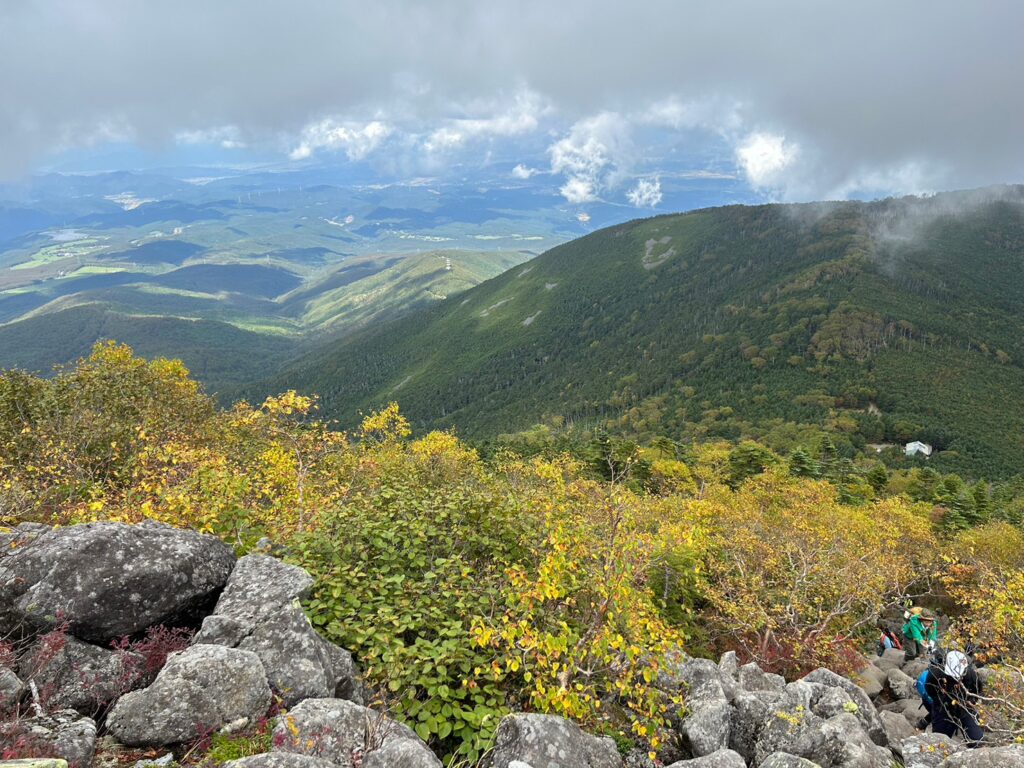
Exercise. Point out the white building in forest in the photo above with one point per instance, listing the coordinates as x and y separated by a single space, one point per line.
917 448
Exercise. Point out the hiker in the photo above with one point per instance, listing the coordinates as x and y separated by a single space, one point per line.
920 633
954 691
936 665
887 639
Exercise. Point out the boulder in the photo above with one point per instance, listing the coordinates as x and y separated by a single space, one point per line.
865 709
900 684
73 674
872 680
34 762
928 750
259 611
106 580
785 760
703 681
893 658
794 730
987 757
912 710
830 702
729 665
707 727
280 760
897 728
723 758
63 734
855 747
11 689
548 741
339 730
915 667
749 713
200 689
402 753
753 678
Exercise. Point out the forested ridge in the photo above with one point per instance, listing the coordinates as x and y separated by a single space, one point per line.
877 323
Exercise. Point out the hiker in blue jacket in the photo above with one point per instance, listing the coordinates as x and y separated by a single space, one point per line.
938 660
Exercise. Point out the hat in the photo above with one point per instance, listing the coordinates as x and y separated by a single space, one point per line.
956 664
916 610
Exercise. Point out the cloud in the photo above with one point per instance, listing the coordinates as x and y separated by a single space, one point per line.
765 157
646 193
928 96
593 156
523 172
357 141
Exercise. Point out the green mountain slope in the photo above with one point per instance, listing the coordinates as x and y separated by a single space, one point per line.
218 354
880 322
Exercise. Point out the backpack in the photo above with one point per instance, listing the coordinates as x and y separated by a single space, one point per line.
921 684
888 639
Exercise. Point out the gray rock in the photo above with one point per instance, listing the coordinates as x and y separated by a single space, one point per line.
402 753
11 689
200 689
865 709
547 741
64 734
795 731
915 667
831 702
987 757
339 730
80 676
703 681
259 611
729 665
929 750
107 580
900 684
723 758
35 762
638 758
280 760
753 678
872 680
785 760
897 728
912 710
892 659
707 728
749 713
857 750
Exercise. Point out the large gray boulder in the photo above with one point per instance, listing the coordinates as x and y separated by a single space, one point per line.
872 680
897 729
865 709
341 731
548 741
912 710
929 750
785 760
706 725
259 611
893 658
62 734
987 757
106 580
200 689
750 710
723 758
857 750
280 760
80 676
900 684
753 678
11 689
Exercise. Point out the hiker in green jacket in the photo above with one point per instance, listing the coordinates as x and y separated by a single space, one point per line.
920 633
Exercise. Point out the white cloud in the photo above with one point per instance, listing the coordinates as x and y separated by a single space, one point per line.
357 140
646 193
523 172
764 157
227 137
595 156
505 120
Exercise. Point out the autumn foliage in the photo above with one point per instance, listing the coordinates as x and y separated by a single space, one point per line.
467 587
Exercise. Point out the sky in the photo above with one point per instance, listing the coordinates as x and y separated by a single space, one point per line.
801 99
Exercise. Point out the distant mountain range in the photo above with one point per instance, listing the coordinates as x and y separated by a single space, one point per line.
875 322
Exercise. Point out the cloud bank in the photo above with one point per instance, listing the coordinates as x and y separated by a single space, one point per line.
816 100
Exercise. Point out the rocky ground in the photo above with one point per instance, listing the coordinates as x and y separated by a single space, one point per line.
88 670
